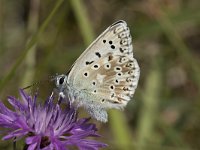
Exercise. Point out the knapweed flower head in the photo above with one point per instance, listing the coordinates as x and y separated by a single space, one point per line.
47 126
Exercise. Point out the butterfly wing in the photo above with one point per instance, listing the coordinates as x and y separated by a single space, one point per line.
106 74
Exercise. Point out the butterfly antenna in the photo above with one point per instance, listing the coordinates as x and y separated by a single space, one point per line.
34 84
50 78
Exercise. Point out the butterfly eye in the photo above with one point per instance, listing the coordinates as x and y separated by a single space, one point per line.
61 80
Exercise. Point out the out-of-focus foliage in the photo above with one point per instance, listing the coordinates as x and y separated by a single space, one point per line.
41 38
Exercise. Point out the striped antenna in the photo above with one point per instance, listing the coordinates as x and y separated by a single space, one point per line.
50 78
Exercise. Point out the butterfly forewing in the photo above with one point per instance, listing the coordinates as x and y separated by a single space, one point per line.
106 74
115 39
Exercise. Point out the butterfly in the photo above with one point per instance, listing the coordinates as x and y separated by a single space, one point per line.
105 75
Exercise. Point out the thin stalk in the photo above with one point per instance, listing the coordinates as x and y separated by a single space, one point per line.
149 108
120 130
82 18
147 28
178 43
14 144
30 59
30 44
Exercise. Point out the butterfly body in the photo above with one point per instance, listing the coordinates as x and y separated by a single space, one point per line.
105 75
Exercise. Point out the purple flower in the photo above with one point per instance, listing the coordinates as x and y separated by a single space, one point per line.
47 127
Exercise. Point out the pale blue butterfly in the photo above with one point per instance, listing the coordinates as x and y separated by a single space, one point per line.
105 75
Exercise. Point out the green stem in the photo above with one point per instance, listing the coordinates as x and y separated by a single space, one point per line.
83 21
120 130
31 55
30 44
179 45
149 109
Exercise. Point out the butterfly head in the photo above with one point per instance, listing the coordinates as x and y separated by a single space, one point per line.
61 82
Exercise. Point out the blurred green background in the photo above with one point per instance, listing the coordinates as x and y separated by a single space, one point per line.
39 38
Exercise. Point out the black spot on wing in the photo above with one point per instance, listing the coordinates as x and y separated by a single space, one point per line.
86 74
112 46
98 54
89 62
110 57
